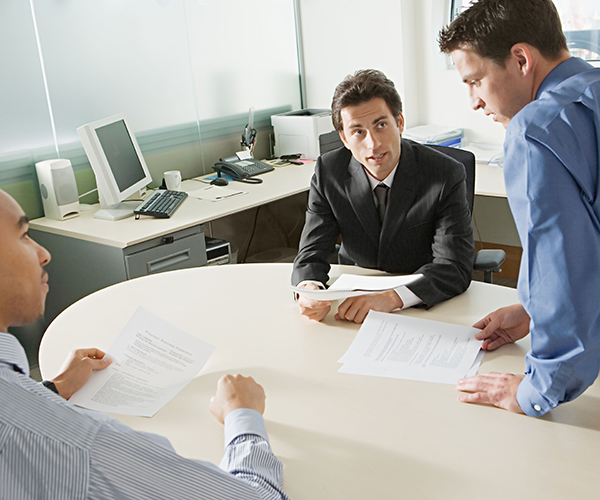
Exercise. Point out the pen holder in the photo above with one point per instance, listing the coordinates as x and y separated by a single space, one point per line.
248 147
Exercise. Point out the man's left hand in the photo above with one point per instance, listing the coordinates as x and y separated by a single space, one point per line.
77 369
356 308
496 389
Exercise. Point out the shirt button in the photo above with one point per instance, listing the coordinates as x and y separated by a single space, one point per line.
537 407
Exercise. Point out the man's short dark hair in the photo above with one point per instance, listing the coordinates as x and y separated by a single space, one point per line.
491 27
362 86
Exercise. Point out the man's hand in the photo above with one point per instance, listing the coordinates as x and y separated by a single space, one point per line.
504 326
77 369
313 309
356 308
496 389
235 392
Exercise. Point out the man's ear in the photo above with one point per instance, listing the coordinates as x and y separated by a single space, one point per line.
343 138
522 55
401 123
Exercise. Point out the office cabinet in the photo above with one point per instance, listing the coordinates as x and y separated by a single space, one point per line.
80 267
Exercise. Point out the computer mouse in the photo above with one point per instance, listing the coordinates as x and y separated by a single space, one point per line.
219 181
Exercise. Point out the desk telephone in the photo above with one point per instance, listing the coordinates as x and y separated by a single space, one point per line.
241 167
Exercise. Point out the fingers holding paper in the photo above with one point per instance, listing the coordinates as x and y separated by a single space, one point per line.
504 326
356 308
313 309
77 369
496 389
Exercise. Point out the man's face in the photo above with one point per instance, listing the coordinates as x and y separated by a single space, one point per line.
373 135
500 92
23 281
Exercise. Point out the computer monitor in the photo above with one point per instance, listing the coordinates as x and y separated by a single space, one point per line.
117 163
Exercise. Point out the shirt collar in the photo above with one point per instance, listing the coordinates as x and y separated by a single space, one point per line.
564 70
12 353
387 181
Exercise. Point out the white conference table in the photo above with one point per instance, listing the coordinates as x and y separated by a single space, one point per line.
343 436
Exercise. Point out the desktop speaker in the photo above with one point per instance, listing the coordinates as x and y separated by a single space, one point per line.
58 189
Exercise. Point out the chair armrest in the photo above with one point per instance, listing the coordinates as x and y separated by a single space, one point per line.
489 260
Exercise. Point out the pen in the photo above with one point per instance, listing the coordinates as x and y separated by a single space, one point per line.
228 195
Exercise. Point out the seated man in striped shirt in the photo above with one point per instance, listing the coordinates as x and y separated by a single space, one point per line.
50 449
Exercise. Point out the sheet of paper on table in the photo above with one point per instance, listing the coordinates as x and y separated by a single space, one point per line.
397 346
216 193
353 285
152 361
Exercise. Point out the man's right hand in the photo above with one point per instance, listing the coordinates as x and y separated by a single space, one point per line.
77 369
313 309
235 392
504 326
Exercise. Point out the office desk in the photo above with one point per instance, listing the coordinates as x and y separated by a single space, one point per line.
278 184
89 254
489 181
343 436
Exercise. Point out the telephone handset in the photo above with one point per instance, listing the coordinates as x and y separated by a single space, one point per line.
242 169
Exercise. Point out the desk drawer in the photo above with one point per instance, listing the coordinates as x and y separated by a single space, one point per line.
179 250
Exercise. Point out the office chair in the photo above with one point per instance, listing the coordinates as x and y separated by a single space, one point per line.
488 261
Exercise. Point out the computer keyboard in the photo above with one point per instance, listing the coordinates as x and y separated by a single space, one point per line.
162 203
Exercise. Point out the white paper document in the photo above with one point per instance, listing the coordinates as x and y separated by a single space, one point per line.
152 362
353 285
396 346
216 193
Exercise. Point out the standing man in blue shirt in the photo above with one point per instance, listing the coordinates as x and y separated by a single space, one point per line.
513 56
50 449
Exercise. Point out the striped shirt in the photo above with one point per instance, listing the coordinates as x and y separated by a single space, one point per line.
50 449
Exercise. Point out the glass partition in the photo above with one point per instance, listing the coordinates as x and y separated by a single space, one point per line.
243 54
25 118
109 57
185 73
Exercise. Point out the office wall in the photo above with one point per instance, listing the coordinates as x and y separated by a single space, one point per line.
398 37
444 100
342 36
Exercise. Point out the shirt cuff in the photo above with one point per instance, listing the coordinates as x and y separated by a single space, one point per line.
531 401
244 421
408 298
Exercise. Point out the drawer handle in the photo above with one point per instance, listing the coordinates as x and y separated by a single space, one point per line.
158 265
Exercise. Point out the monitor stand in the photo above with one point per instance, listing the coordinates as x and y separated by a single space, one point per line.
117 212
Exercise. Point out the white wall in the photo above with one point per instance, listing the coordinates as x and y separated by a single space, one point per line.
444 99
399 38
342 36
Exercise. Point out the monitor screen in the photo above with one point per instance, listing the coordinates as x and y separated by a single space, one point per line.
118 164
121 155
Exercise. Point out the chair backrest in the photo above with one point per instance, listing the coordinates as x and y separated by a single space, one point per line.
329 142
468 160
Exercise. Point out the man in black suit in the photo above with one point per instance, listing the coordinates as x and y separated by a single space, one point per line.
417 222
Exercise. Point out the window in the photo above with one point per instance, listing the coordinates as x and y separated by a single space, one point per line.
580 20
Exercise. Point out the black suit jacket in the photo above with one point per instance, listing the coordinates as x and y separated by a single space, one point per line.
426 230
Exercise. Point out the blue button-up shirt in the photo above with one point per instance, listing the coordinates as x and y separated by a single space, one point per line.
552 173
50 449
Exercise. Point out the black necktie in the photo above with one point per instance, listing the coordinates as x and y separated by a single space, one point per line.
381 192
